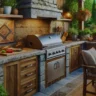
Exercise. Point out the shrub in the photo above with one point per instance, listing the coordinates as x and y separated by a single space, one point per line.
73 31
85 31
2 91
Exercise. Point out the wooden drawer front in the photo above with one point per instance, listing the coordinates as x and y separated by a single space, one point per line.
28 78
28 86
28 63
29 92
29 74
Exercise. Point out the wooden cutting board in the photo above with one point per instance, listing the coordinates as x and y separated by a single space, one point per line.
14 53
64 36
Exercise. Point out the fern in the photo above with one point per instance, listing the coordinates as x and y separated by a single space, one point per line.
2 91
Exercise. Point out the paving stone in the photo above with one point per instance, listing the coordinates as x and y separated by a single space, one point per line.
51 89
40 94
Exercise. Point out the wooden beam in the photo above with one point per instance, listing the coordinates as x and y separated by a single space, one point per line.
81 6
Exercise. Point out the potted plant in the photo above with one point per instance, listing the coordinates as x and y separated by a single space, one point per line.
73 32
94 33
85 34
3 91
14 9
1 7
8 4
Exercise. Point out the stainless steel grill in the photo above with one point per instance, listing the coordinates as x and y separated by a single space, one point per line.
52 43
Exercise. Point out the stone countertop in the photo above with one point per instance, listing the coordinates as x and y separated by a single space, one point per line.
72 43
20 55
91 42
33 52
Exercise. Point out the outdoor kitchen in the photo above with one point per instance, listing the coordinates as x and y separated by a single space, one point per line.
41 45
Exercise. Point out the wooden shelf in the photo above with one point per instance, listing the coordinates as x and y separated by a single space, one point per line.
66 20
10 16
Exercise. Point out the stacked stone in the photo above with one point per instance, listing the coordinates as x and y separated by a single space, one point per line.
41 72
1 75
40 8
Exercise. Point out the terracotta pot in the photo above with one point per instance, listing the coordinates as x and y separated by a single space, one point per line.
1 10
15 11
85 37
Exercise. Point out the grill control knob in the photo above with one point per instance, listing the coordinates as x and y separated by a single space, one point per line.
53 53
49 54
62 50
59 51
56 51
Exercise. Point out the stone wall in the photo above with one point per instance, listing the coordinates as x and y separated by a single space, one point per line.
39 8
1 74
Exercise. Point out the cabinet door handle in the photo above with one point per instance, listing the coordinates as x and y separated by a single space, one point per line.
30 74
28 91
29 66
29 85
55 66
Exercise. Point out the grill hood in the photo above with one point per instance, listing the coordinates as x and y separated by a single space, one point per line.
39 42
39 8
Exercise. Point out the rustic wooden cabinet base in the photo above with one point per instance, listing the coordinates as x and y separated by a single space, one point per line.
74 57
20 77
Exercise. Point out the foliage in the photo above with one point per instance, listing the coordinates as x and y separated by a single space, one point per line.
85 31
94 31
89 23
12 3
88 4
73 31
71 5
2 91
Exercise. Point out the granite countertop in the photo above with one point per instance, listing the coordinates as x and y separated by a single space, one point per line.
32 52
20 55
91 42
72 43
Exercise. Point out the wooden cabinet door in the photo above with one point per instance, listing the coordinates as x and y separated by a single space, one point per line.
11 78
74 55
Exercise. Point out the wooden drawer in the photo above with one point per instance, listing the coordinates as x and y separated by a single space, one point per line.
28 74
28 86
23 81
28 80
28 71
28 63
29 92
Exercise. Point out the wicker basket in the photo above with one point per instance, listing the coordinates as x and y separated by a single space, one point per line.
83 15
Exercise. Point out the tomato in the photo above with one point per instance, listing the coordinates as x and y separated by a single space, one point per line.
9 50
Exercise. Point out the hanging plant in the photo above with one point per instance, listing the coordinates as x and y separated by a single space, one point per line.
83 15
60 4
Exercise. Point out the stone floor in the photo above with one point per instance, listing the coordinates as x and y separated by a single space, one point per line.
49 91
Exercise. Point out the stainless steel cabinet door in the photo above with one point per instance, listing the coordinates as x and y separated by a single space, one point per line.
55 69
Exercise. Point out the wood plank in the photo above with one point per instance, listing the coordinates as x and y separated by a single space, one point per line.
66 20
10 16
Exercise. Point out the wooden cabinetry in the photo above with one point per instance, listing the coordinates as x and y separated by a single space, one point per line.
74 57
20 77
89 45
